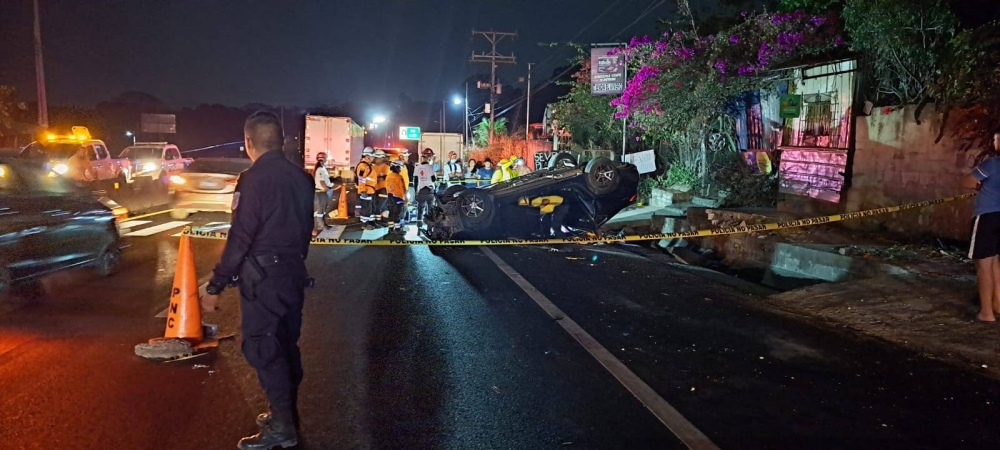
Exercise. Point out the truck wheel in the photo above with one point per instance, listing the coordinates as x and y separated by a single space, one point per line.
476 207
602 176
123 187
561 160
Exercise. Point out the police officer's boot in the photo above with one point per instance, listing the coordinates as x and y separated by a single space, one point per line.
276 433
264 419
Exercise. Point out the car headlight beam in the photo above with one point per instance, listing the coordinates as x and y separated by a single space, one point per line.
60 168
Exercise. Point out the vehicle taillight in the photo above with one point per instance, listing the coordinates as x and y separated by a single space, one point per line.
634 197
230 181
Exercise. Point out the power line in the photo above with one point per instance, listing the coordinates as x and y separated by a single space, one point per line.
493 58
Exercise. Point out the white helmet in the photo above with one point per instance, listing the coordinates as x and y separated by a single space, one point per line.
379 154
368 151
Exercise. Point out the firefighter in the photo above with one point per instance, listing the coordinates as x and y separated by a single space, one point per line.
381 170
365 173
503 172
404 171
395 187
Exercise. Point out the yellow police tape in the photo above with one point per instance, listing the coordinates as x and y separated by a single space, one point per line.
196 233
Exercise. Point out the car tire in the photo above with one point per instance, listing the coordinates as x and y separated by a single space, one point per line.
448 195
476 207
179 214
561 160
602 176
109 261
124 188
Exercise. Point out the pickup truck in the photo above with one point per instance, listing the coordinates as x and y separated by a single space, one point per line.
55 151
155 161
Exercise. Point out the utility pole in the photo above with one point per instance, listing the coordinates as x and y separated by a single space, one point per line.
493 58
465 137
527 109
43 107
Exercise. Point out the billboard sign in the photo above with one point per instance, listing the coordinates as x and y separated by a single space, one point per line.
607 71
159 123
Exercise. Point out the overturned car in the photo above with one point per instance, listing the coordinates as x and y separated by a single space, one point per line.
543 203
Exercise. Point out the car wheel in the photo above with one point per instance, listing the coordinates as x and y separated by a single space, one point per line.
561 160
476 208
123 187
179 214
602 176
449 194
109 261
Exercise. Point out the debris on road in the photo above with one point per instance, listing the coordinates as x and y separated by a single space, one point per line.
164 349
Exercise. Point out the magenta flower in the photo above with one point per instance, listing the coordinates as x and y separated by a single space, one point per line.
721 65
734 39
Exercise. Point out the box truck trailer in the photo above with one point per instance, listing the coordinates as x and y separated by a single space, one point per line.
340 138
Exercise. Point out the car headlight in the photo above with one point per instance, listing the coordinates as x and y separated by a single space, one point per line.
150 167
60 168
177 179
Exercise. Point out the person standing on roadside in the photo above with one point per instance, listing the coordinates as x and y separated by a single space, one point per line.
425 180
985 246
485 173
265 255
324 187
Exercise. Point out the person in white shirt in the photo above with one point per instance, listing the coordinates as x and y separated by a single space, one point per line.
453 170
425 179
324 187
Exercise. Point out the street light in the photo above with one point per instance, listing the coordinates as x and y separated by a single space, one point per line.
379 119
131 135
457 100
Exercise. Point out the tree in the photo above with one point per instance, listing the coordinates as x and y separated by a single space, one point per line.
903 43
8 109
481 132
590 119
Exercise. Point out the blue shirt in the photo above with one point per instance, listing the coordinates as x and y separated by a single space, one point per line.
988 173
486 174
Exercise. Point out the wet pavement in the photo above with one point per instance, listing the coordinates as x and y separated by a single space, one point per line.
409 348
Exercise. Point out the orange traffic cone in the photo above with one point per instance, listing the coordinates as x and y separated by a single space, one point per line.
184 312
342 203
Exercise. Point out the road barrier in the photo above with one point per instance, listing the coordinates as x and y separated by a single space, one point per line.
206 234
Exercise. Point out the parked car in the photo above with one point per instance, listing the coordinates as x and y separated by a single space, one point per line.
155 161
55 151
208 184
593 193
48 224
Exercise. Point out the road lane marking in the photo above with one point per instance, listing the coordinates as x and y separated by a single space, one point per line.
147 215
134 223
691 436
163 227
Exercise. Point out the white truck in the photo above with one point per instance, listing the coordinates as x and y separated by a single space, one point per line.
341 138
442 144
155 162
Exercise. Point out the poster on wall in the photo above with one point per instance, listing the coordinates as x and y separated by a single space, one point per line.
607 71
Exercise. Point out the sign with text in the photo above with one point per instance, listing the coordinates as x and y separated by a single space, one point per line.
409 133
607 71
645 161
791 107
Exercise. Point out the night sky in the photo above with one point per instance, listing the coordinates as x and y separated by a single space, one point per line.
189 52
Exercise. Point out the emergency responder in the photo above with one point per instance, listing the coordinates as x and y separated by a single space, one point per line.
396 188
520 168
79 166
425 180
265 255
453 171
503 172
324 187
365 173
404 171
381 170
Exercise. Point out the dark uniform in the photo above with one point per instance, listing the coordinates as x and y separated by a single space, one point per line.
266 248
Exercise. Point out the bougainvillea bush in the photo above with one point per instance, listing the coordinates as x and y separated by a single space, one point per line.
682 82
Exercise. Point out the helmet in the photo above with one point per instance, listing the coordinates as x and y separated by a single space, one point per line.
427 152
320 156
368 151
379 153
398 164
452 154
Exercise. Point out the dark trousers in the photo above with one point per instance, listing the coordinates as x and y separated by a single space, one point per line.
552 223
424 198
381 203
395 209
271 310
365 204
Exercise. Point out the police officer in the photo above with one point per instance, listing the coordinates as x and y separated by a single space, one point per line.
265 255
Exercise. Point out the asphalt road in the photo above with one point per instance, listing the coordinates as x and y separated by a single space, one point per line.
405 348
